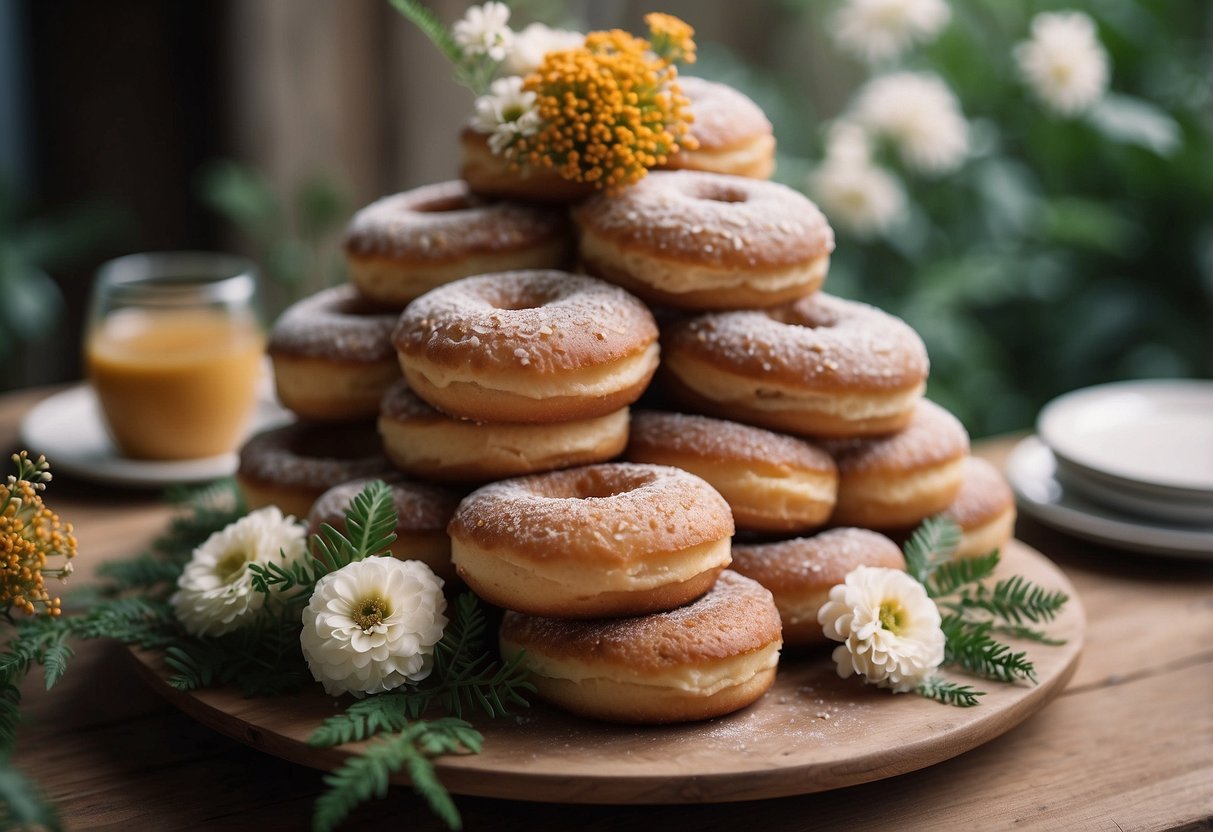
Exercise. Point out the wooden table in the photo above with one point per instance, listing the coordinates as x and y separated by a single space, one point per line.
1127 746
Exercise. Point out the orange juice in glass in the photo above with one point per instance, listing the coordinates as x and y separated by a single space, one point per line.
174 350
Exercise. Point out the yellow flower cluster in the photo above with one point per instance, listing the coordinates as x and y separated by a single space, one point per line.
610 110
671 38
30 536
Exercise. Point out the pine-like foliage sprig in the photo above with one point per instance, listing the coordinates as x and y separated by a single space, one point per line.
1014 600
950 693
971 647
952 575
431 27
368 774
931 545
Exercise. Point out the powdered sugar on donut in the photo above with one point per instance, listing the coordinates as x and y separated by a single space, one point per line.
934 436
335 324
821 560
720 439
315 455
711 218
544 321
419 507
818 341
723 116
445 221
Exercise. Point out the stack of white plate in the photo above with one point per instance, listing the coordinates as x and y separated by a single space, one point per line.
1127 464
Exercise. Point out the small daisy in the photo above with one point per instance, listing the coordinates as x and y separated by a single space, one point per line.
532 43
1064 63
484 30
215 592
876 31
505 113
371 626
920 115
889 628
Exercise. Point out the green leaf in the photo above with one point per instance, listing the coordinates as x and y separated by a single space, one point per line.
1131 120
10 715
950 693
431 27
931 544
54 661
22 805
371 521
1015 600
362 720
954 574
971 647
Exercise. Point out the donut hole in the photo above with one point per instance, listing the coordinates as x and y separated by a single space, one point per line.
722 194
528 298
443 205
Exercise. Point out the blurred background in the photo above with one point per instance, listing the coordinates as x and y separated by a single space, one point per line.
1044 226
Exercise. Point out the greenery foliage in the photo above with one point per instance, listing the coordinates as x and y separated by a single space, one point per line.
1065 252
973 613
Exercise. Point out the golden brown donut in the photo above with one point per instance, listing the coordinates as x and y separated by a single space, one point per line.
403 245
733 134
291 466
896 481
422 512
333 356
694 240
984 508
538 346
600 540
711 657
490 175
818 367
800 573
773 482
430 445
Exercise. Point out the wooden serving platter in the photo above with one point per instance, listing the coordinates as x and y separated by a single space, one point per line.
811 732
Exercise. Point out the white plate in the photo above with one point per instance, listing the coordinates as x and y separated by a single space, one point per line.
67 428
1156 435
1031 471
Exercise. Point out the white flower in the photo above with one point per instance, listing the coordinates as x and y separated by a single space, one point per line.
920 115
888 627
371 626
859 197
215 592
506 112
484 30
532 43
882 30
1064 63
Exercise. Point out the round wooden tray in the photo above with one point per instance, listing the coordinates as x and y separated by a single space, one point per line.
811 732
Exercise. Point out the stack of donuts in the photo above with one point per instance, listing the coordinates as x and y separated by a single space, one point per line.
633 421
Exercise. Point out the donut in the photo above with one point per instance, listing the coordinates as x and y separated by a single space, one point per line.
897 481
332 355
984 508
600 540
695 240
490 175
733 134
403 245
430 445
527 346
772 482
422 512
818 367
291 466
711 657
800 573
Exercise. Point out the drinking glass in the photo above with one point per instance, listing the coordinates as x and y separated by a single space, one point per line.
174 350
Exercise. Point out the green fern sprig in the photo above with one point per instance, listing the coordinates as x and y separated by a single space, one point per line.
950 693
431 27
368 774
970 646
1013 601
932 544
1027 634
952 575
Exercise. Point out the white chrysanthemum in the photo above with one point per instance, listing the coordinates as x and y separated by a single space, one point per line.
532 43
506 112
888 626
484 30
882 30
371 626
215 592
920 115
1064 63
858 196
